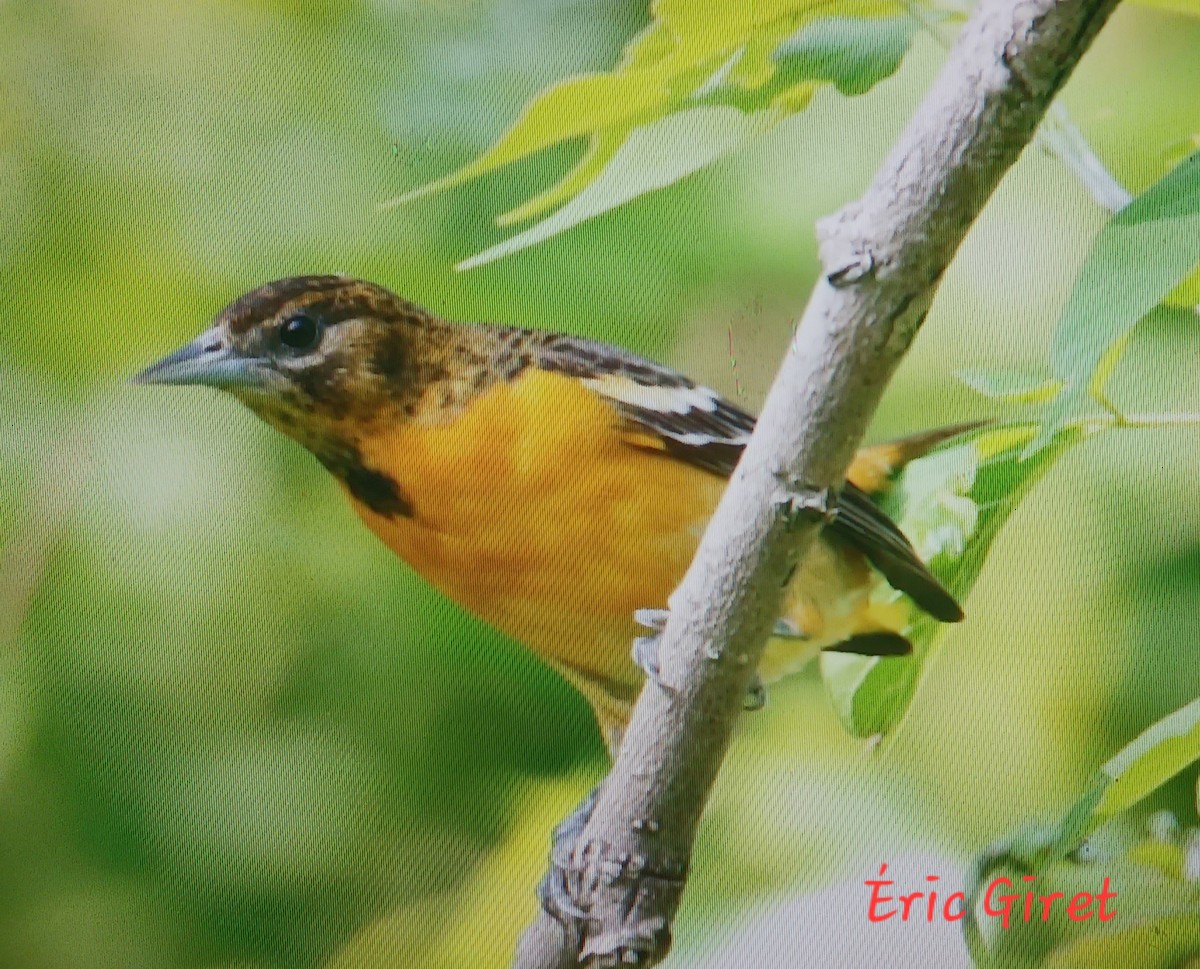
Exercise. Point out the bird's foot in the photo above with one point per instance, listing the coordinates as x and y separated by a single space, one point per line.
645 648
647 883
801 503
555 891
655 619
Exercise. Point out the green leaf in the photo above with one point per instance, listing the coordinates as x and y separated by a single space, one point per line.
624 164
656 155
705 23
1011 386
951 504
766 59
1152 759
571 108
852 54
604 146
1136 260
1137 770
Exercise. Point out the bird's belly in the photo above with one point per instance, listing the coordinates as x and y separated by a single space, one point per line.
560 557
564 575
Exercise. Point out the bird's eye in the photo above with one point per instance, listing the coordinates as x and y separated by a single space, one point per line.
300 332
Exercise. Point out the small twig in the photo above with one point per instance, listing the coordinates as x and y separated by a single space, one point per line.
883 257
1142 421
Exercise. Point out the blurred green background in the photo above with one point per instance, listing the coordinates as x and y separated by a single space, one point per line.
235 732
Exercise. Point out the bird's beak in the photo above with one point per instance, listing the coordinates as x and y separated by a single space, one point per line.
209 360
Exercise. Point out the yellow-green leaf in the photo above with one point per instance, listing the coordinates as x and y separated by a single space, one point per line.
1136 260
605 145
570 109
656 155
1152 759
1011 386
1187 293
766 59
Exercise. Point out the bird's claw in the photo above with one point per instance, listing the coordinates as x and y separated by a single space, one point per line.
805 503
645 648
554 890
645 655
641 883
654 619
555 898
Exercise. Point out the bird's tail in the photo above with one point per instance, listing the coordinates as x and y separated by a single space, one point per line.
874 467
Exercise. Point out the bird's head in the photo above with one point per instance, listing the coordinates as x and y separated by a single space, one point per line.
313 355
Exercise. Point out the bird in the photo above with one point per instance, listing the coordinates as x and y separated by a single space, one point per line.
554 486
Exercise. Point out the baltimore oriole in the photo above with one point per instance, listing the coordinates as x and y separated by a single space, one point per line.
552 485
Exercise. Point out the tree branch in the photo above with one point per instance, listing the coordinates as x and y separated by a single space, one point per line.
883 257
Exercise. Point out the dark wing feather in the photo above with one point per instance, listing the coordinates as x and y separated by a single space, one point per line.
698 426
863 524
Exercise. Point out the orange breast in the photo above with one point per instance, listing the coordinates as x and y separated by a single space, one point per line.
532 511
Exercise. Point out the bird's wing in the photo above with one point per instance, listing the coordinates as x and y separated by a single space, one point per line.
661 409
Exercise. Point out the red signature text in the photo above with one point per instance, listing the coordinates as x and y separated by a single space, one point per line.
998 900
